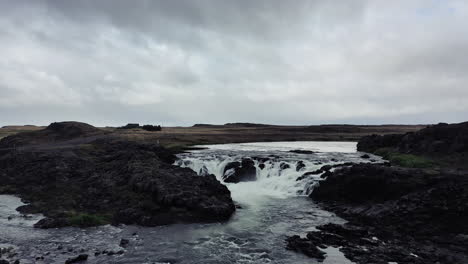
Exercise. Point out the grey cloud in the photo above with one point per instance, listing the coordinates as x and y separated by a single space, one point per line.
185 62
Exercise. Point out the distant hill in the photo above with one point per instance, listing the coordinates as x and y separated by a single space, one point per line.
204 125
247 125
25 127
57 131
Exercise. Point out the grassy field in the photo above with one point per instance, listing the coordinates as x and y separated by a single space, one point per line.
182 137
10 130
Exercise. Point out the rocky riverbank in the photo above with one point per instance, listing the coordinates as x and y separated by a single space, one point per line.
396 214
76 174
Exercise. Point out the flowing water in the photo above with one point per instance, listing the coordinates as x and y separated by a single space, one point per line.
271 208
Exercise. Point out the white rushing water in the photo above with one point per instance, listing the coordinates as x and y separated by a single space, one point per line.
277 168
272 208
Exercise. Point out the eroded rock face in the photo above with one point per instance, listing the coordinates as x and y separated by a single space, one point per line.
122 181
236 172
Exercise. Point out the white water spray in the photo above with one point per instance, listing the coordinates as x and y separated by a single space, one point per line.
278 170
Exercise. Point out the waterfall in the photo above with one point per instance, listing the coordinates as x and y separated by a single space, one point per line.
274 176
279 166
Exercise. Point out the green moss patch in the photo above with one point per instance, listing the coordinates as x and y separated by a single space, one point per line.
405 160
86 220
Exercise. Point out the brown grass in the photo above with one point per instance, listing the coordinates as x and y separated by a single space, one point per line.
181 137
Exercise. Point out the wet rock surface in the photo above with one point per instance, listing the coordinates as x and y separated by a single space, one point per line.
106 180
243 171
300 151
77 259
395 215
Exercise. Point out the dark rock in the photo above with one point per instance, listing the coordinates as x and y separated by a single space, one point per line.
374 142
326 174
3 261
284 166
231 166
411 211
240 171
109 180
365 156
326 168
305 246
300 165
124 242
438 140
79 258
369 182
261 166
309 173
301 151
49 222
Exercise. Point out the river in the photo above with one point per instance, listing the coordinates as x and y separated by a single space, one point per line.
270 209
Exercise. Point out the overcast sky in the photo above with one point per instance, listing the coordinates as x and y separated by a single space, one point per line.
181 62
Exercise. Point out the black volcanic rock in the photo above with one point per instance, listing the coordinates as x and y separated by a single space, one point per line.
374 142
79 258
441 139
236 172
365 156
301 151
109 180
368 182
411 211
300 165
305 246
284 166
398 214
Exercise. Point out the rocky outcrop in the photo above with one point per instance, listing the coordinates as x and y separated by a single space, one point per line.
55 132
398 214
236 172
441 139
109 180
395 214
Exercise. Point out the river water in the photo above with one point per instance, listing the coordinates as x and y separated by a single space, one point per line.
271 208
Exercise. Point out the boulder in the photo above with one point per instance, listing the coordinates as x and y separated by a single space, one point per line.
284 166
79 258
236 172
300 165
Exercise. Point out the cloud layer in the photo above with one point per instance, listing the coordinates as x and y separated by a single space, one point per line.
182 62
